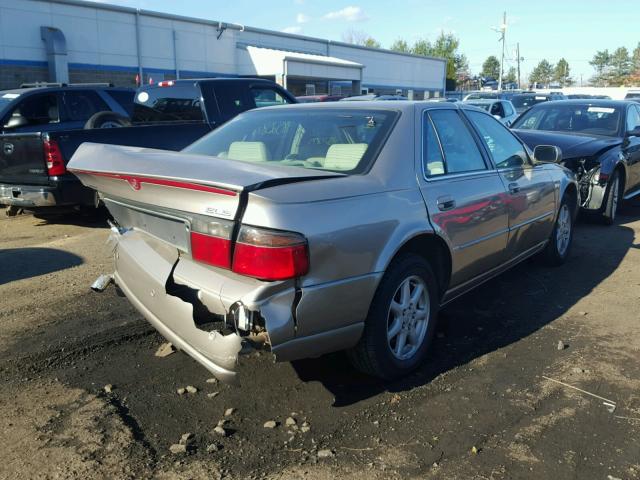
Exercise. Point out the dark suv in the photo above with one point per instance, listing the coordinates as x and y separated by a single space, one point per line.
53 107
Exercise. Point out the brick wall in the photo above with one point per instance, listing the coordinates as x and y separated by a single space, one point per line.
12 76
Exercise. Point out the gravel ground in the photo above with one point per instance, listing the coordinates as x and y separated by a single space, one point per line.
83 395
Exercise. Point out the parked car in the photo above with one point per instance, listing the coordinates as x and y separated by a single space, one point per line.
633 95
600 142
169 115
502 110
524 101
491 95
319 98
321 227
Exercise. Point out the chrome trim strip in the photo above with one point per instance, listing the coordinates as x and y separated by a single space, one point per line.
531 220
481 239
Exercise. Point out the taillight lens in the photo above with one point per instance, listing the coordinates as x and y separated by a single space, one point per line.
53 158
270 255
211 242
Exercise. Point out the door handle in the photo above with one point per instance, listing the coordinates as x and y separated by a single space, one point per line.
514 188
446 203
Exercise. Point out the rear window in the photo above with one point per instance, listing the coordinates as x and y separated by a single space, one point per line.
343 140
180 103
526 101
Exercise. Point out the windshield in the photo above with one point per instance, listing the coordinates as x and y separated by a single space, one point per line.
526 101
578 118
484 106
344 140
6 98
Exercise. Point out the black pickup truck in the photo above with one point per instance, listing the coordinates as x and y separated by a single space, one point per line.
169 115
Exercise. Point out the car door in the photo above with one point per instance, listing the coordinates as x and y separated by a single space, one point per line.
531 192
464 195
631 149
79 106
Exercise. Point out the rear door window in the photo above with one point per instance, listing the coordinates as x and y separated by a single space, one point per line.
80 105
179 103
506 150
461 152
232 99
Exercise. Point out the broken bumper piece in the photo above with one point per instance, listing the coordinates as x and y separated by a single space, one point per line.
146 269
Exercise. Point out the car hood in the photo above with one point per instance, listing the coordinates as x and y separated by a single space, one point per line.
572 145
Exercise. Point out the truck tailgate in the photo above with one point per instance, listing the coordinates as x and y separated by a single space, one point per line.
22 159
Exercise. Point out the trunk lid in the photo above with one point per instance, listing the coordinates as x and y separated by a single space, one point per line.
22 159
196 184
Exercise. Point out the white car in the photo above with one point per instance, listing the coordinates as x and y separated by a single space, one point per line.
502 110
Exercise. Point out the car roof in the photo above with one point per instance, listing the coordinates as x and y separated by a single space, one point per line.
586 101
22 91
191 81
405 106
485 101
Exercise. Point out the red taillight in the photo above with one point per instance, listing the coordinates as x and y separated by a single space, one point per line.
211 242
166 83
270 255
215 251
53 158
603 178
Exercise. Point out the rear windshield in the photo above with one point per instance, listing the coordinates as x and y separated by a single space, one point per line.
569 117
180 103
526 101
344 140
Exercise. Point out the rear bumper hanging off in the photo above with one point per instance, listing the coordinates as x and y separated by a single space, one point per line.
27 196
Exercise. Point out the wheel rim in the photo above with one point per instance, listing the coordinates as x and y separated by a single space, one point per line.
109 124
614 198
408 318
563 230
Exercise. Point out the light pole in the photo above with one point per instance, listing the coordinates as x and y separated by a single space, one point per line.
503 33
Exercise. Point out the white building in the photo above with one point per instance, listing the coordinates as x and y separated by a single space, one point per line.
80 41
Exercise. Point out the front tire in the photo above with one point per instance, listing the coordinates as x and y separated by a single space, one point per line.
401 320
613 200
559 245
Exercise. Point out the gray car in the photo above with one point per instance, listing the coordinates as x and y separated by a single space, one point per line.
313 228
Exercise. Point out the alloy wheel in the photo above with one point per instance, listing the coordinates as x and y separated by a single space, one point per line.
408 318
563 230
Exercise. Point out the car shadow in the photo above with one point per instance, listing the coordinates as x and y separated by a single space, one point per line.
498 313
91 218
21 263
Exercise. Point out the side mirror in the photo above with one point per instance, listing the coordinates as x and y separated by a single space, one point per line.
633 133
547 154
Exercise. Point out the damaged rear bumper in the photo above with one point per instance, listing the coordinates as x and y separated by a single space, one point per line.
154 277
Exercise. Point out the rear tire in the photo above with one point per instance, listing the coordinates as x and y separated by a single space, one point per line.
559 245
107 120
401 320
613 200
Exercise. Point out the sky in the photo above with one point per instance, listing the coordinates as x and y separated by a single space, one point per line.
545 29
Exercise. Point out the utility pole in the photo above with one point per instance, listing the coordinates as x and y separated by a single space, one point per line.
518 57
503 28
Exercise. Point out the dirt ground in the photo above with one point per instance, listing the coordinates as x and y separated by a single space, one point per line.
484 406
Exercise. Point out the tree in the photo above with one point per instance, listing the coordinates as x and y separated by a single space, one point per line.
491 68
511 76
634 78
620 66
400 45
445 46
601 62
561 73
542 73
360 38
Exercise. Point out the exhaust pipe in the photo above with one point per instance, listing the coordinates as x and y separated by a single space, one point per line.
101 283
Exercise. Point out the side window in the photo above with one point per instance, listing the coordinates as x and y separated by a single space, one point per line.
81 105
39 109
505 148
461 153
508 109
633 118
179 103
496 109
432 160
264 97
